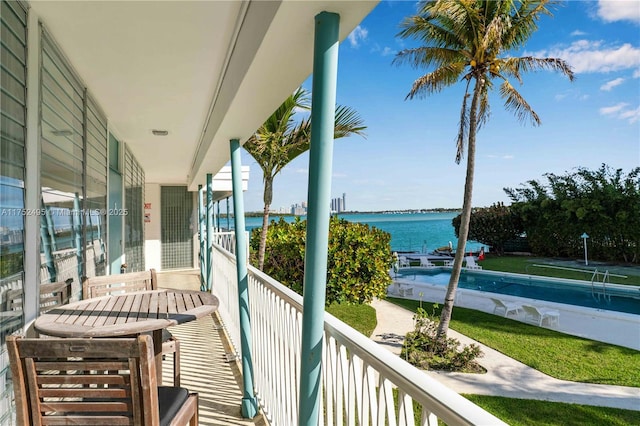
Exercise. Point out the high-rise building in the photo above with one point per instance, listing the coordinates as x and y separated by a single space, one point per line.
338 204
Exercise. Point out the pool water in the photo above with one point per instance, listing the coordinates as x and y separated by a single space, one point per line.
615 298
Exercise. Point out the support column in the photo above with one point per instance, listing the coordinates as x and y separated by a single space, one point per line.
76 223
46 242
209 213
201 237
249 403
323 104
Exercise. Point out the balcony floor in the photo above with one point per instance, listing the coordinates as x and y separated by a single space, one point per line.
203 365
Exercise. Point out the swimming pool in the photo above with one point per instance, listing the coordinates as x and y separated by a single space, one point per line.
613 297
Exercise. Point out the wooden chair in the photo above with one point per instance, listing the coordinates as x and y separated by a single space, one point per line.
134 281
94 382
51 295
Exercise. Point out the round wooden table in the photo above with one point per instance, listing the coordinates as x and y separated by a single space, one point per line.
127 314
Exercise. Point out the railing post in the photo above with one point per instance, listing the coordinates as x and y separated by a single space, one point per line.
201 225
209 212
249 403
323 104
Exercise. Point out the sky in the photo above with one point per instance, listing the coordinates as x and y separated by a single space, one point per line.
407 160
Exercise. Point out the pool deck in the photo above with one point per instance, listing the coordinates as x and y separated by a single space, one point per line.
617 328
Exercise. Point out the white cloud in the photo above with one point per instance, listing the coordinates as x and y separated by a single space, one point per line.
611 84
622 112
384 51
615 109
632 115
636 73
586 56
358 35
619 10
388 51
501 157
578 33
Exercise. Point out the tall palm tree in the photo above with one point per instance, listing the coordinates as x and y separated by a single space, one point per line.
281 139
468 42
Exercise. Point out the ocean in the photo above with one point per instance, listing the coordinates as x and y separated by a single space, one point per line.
421 232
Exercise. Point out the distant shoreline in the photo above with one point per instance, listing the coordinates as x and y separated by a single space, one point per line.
408 211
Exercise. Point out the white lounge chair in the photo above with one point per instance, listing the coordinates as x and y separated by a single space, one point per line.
406 291
404 262
424 262
471 263
506 307
536 315
448 263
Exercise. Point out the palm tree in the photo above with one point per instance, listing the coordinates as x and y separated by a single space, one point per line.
469 41
281 139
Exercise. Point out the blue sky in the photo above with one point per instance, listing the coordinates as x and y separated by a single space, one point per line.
407 158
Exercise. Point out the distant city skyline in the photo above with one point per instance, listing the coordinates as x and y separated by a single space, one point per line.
407 158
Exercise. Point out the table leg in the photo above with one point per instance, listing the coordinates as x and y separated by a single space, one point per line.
157 350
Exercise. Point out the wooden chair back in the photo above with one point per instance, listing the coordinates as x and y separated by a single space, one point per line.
51 295
120 283
84 381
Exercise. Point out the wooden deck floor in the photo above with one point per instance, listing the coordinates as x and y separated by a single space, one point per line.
204 368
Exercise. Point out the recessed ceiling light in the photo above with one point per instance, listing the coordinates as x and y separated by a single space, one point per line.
157 132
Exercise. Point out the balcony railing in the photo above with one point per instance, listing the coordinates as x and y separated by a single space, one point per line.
363 384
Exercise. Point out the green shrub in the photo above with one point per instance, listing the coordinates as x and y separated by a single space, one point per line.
359 259
422 349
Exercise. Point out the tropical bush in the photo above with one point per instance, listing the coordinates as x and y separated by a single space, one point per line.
495 226
359 258
604 204
422 349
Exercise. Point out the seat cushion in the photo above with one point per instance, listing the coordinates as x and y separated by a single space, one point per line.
170 401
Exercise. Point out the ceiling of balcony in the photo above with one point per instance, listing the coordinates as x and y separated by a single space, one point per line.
205 71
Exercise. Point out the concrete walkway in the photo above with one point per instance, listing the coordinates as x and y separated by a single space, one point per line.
505 376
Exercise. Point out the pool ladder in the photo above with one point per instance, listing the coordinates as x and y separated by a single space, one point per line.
596 293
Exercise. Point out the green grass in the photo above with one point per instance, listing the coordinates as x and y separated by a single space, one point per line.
527 265
360 317
527 412
559 355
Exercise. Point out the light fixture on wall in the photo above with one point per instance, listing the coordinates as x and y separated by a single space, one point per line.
157 132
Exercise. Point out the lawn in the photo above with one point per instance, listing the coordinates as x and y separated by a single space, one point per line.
360 317
559 355
551 268
527 412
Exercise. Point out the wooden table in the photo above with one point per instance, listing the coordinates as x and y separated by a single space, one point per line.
128 314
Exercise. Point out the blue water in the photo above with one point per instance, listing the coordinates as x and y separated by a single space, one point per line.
627 300
421 232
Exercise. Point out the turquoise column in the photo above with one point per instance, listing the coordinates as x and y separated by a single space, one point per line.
201 225
249 403
228 227
323 104
52 232
218 215
209 212
46 238
77 233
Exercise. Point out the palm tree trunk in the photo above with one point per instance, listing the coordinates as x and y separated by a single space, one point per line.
267 196
447 309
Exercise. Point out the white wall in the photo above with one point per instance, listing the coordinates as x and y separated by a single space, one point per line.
152 228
